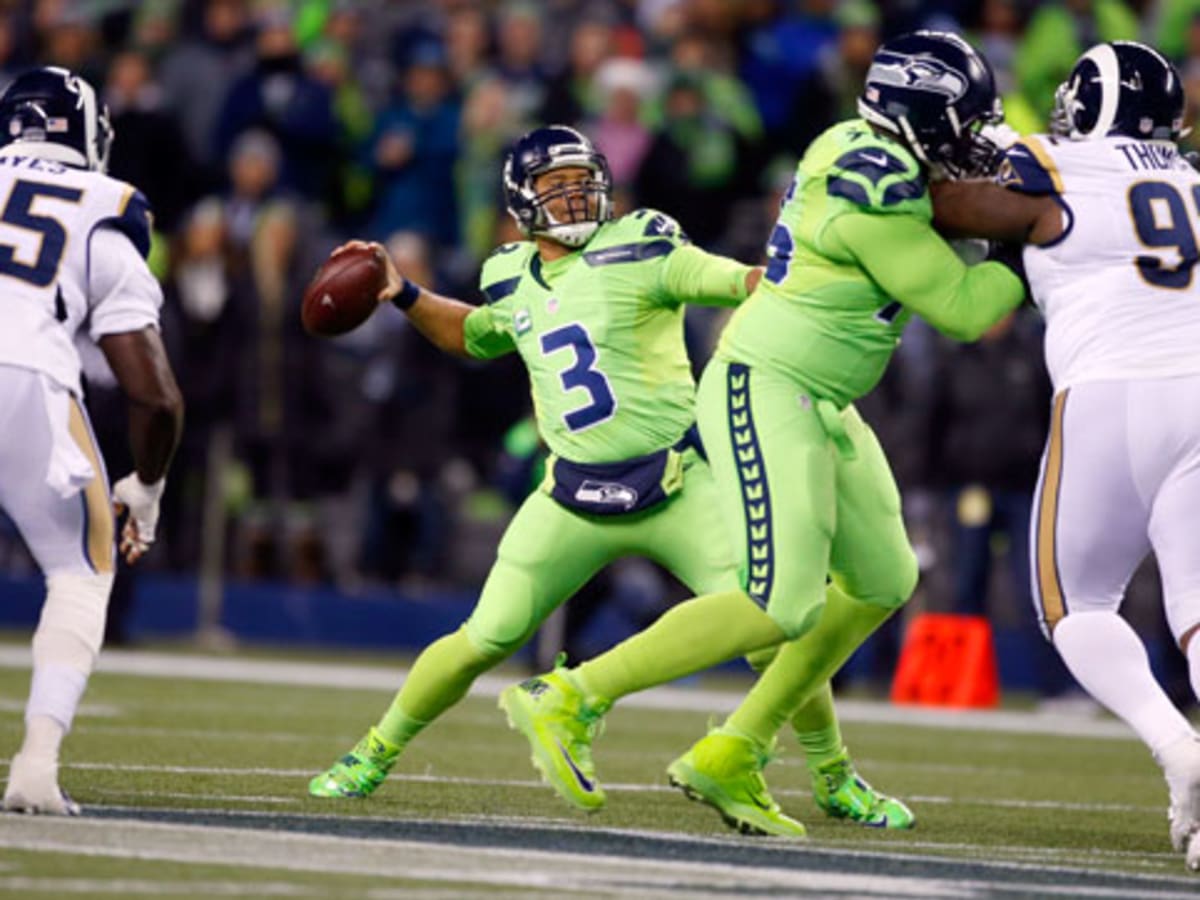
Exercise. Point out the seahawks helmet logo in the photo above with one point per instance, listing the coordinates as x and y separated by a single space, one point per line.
920 73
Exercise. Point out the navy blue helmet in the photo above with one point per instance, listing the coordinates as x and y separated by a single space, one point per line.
1123 88
58 114
933 91
543 150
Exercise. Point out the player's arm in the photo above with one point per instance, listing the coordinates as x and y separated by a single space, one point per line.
690 275
1024 205
988 210
440 319
139 362
125 299
917 268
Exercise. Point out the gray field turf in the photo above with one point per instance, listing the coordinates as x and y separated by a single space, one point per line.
193 772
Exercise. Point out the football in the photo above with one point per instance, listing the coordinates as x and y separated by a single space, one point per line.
343 293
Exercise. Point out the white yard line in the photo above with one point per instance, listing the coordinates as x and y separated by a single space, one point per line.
17 705
358 677
128 887
535 784
563 873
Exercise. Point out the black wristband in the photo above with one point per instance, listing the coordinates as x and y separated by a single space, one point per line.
407 295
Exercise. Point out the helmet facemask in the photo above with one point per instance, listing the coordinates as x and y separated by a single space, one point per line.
567 211
582 205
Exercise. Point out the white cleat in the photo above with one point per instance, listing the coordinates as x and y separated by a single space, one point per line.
1193 853
33 788
1181 765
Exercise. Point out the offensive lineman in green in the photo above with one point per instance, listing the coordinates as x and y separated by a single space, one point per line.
595 308
800 475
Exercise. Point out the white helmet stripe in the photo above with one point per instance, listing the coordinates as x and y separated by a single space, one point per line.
1105 58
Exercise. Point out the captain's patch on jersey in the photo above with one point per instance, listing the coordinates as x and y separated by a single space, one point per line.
522 322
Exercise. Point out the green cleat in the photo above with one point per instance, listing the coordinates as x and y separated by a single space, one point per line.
843 794
359 772
724 770
559 725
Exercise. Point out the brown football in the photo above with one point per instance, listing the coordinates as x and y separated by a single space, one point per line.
343 293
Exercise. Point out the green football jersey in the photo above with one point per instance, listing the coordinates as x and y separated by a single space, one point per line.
601 333
817 315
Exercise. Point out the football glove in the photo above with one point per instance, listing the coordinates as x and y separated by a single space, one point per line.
141 501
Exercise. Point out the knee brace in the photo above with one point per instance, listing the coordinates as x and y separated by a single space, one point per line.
71 628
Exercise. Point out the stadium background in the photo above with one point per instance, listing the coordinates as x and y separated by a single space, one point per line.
351 492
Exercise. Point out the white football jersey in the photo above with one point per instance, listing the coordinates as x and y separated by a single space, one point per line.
1119 289
72 248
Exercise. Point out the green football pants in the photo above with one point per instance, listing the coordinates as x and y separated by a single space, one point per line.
807 490
549 552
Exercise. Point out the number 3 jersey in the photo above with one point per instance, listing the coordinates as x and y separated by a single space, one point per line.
601 333
72 248
1118 289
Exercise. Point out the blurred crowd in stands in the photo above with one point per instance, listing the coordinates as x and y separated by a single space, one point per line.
265 133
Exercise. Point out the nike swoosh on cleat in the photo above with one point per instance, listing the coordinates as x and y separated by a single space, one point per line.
584 781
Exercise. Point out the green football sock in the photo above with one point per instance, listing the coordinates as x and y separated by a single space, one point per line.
803 665
695 635
816 727
440 677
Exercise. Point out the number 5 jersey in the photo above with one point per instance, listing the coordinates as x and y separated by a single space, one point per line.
1118 288
72 248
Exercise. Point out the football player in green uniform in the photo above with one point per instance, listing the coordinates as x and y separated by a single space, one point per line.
594 305
801 478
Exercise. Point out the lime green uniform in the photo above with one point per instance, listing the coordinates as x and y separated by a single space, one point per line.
601 334
852 257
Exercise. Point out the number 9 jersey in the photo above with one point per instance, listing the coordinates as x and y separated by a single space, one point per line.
1118 288
72 257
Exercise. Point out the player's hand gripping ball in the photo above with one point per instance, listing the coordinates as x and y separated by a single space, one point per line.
345 290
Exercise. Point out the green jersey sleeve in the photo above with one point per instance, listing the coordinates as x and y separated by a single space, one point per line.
690 275
488 331
917 268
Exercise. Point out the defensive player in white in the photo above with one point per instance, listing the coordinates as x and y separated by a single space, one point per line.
72 267
1108 212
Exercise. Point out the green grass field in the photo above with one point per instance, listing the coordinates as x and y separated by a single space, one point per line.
195 786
